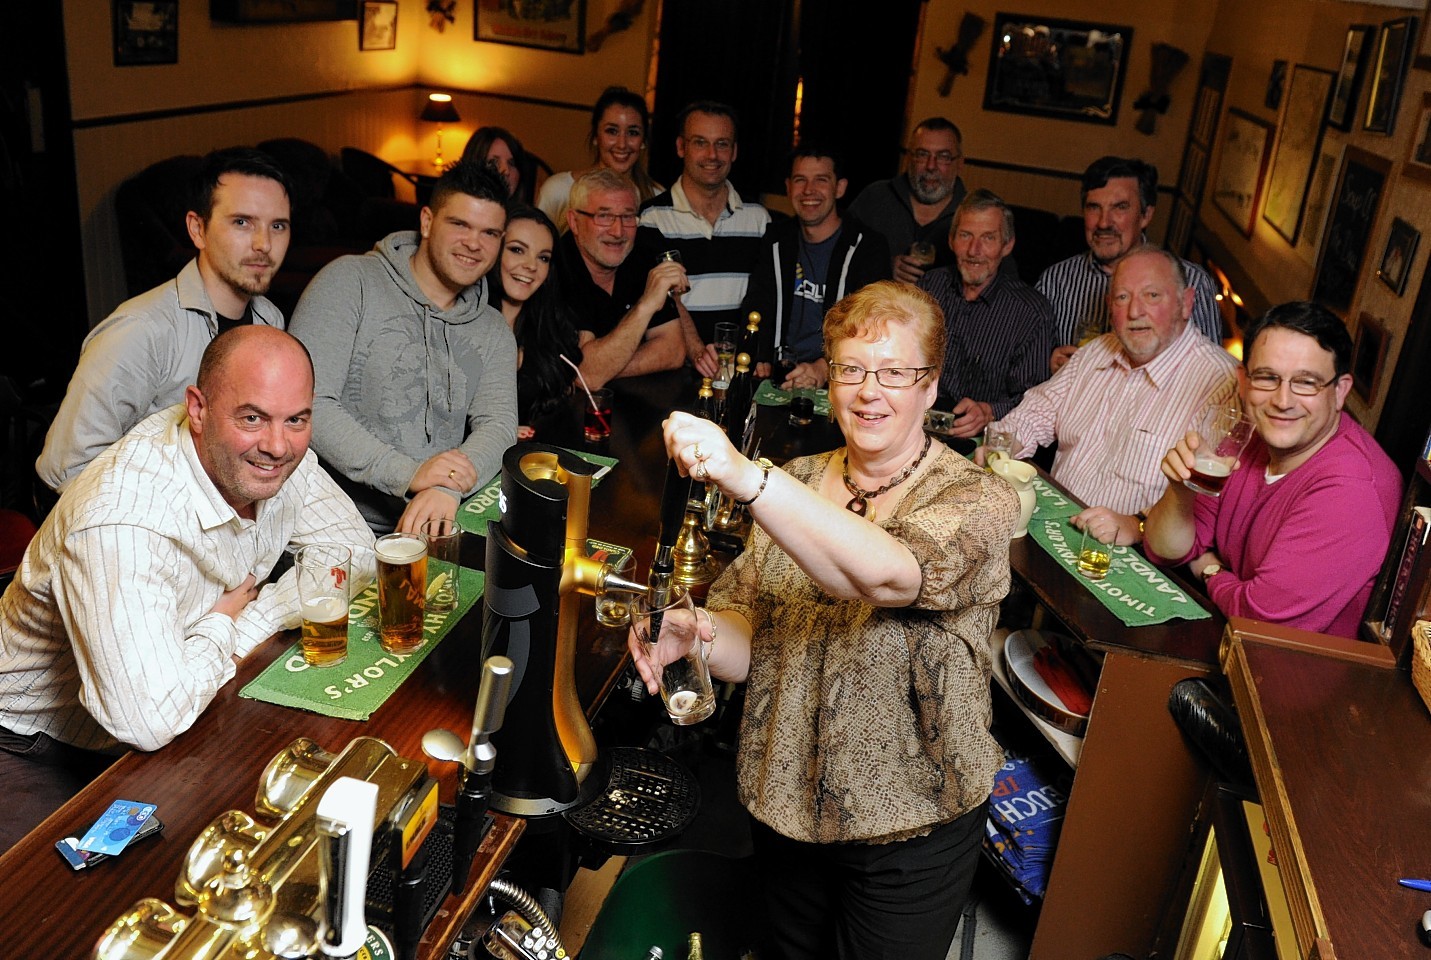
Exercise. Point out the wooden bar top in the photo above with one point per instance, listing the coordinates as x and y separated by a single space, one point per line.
1342 754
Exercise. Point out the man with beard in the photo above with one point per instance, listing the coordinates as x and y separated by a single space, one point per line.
139 593
703 218
1000 329
416 374
140 358
919 204
809 263
1118 195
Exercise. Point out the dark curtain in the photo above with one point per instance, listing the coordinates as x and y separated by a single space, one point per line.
856 62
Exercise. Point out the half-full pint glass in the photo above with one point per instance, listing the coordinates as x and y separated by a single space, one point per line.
1223 432
402 587
323 570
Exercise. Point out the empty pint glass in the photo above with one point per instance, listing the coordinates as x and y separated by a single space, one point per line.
322 571
402 588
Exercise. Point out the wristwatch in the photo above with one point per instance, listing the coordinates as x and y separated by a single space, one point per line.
766 466
1210 571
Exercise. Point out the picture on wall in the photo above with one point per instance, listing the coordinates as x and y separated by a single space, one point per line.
1071 70
1368 357
1400 251
558 25
1297 145
1348 86
378 28
1418 158
1356 201
145 32
1246 146
1393 52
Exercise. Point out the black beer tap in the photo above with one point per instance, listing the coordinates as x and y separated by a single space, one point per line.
674 497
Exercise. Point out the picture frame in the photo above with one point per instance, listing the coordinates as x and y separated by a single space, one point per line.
558 25
1347 90
1423 46
1418 152
1355 206
146 32
1397 258
1298 142
1276 82
1368 356
1393 52
1241 168
377 30
1088 59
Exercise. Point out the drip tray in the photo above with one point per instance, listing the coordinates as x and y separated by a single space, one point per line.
649 798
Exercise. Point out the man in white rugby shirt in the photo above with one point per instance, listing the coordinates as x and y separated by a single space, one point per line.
141 591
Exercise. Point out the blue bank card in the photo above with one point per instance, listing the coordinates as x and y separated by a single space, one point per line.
117 826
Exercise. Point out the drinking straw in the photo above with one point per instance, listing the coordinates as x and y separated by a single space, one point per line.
594 408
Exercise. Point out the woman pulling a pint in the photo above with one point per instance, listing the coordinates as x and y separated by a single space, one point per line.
859 620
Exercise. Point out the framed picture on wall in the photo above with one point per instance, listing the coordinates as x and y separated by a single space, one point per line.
1400 251
1356 202
558 25
1246 145
1067 69
145 32
1302 121
1368 356
1348 86
378 28
1418 156
1393 52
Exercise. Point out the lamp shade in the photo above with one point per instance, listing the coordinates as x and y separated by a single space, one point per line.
439 108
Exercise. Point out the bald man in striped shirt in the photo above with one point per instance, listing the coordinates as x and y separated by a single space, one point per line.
145 585
1121 401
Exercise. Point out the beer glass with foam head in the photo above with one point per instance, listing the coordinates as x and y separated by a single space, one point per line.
323 571
402 591
1223 432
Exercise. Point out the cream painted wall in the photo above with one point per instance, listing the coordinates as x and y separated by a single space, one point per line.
1313 32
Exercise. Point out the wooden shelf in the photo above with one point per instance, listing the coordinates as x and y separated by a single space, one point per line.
1067 745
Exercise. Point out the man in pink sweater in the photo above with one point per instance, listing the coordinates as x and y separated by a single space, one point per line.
1302 526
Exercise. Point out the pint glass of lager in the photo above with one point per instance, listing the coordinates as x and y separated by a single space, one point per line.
402 587
323 570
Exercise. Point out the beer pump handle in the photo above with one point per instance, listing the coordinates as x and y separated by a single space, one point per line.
674 497
345 823
474 783
492 696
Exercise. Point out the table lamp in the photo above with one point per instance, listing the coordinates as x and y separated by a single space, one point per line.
439 109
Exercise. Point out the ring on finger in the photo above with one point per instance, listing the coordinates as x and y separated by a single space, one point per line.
701 473
696 452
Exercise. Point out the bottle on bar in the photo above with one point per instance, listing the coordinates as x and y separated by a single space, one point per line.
696 952
705 400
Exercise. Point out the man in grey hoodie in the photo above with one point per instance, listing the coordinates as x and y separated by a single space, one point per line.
415 395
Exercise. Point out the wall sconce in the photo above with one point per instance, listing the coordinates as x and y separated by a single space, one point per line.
439 109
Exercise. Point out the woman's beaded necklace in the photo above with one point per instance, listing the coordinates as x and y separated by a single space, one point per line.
860 503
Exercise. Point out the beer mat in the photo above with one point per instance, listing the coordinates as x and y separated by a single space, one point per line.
769 395
612 553
355 688
483 505
1136 591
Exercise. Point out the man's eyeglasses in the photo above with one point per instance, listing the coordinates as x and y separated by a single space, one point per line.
885 376
943 157
1301 386
607 219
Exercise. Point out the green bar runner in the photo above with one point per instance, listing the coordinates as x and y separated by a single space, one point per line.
769 395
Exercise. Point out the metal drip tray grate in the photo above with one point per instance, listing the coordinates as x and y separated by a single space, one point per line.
649 798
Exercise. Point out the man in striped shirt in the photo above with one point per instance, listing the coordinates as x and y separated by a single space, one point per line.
702 217
1000 329
1121 401
141 591
1118 196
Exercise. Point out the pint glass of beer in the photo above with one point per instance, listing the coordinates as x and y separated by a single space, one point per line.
323 571
402 590
1223 432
